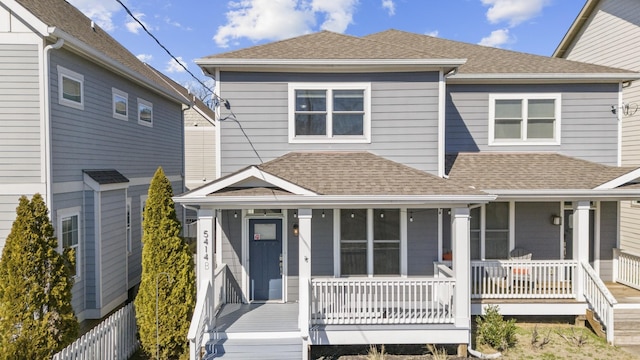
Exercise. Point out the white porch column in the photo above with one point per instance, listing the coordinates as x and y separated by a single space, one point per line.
580 242
460 237
205 246
304 276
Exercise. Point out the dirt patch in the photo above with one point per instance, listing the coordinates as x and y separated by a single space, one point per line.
554 341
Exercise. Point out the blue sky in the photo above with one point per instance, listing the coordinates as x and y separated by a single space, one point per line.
191 29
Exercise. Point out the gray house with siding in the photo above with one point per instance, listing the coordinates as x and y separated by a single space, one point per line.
86 124
605 33
385 188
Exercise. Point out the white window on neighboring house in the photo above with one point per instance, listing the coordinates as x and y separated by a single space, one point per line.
70 88
143 204
370 242
321 112
120 100
517 119
69 235
128 223
145 112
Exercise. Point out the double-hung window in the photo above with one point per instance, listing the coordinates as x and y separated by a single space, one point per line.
370 242
69 235
120 104
524 119
145 112
70 88
321 112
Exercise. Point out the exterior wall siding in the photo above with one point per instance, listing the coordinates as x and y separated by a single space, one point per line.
200 150
322 243
106 142
608 237
585 119
113 247
404 117
534 231
232 243
292 257
422 242
20 152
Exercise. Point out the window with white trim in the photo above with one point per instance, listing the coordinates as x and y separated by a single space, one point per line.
69 235
360 247
120 101
143 204
70 88
320 112
145 112
531 119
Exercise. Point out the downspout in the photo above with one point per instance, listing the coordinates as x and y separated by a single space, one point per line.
47 121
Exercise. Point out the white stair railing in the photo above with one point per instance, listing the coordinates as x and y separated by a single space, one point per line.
599 298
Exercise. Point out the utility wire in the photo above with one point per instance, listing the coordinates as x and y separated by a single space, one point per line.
231 117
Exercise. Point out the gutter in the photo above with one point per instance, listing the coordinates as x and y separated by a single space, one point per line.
101 58
503 78
47 120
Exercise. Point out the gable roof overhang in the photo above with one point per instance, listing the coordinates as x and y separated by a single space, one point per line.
210 65
574 30
98 57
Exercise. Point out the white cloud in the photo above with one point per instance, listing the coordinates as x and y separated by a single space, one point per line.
279 19
145 57
433 33
174 67
100 11
389 6
513 11
133 25
496 38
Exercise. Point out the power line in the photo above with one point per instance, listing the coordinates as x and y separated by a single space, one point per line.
167 50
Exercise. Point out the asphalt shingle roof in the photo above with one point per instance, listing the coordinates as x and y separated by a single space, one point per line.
529 171
61 14
358 173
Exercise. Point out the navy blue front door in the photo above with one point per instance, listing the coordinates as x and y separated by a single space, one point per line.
265 257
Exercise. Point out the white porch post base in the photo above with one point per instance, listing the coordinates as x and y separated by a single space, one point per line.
304 272
205 246
580 242
460 236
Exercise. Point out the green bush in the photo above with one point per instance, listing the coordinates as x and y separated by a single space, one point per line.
494 331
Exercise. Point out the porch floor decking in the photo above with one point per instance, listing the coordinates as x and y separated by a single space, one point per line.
624 294
258 318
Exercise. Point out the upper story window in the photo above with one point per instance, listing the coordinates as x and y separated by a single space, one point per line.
145 112
330 113
516 119
70 88
120 104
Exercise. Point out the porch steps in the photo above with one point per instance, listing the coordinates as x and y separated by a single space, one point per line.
267 349
625 327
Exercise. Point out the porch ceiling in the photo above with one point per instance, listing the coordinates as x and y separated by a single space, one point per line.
540 174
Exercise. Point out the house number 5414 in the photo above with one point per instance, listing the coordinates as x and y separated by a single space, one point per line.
205 241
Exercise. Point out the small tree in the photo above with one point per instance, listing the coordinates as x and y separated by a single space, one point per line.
36 316
168 276
494 331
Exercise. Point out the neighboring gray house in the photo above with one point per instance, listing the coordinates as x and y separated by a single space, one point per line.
86 124
606 32
385 188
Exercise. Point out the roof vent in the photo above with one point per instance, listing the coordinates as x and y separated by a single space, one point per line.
93 25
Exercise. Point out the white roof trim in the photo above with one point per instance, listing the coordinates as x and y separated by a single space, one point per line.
22 13
248 173
95 186
221 62
619 181
565 194
549 76
340 201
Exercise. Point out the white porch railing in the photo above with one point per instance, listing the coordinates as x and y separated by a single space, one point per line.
353 301
599 298
627 269
114 338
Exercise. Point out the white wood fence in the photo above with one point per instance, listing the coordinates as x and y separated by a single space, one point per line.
627 269
382 300
114 339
